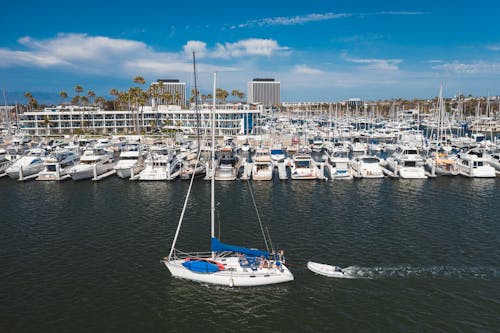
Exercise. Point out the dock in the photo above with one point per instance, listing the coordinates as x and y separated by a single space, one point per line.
282 170
104 175
26 178
247 170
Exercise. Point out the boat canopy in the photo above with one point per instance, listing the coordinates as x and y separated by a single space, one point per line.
217 246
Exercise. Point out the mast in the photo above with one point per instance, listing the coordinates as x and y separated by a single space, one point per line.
212 184
196 103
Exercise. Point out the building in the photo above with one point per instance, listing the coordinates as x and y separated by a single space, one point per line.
171 92
264 91
60 120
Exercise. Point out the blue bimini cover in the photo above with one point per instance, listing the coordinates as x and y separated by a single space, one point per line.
217 246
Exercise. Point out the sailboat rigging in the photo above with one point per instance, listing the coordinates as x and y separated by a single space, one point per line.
226 265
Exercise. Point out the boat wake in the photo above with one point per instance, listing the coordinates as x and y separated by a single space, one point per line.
439 272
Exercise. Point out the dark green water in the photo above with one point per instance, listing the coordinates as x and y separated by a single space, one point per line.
85 256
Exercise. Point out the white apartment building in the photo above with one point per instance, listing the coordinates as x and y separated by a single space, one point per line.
264 91
176 90
231 119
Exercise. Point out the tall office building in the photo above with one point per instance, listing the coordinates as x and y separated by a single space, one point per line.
170 92
264 91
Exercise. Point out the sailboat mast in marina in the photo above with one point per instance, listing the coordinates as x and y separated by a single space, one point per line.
226 265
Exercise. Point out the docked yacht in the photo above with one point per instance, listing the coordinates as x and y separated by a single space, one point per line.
495 161
131 161
262 168
277 153
358 147
339 164
245 146
191 164
94 162
4 161
303 166
406 162
441 164
161 164
367 166
28 165
58 164
228 166
475 164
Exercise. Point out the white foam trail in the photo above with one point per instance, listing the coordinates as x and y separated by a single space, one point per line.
440 272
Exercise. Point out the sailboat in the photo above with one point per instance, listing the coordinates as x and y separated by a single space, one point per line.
226 265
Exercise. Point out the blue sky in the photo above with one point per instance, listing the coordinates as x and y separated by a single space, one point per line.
318 50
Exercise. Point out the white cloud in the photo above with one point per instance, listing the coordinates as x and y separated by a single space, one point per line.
200 48
304 69
314 17
100 55
292 20
247 47
375 64
479 67
494 47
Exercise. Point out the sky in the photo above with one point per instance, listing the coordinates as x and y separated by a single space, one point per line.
319 50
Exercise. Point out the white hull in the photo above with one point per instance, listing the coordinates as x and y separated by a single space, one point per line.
484 172
412 173
262 173
225 173
13 172
126 171
303 174
326 270
229 278
81 172
54 175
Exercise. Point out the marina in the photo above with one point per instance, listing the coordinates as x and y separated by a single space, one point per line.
81 266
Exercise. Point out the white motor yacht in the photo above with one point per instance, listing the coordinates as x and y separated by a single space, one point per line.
93 162
228 166
367 166
475 164
303 166
495 161
339 164
58 164
28 165
262 168
161 164
277 153
4 161
406 162
131 161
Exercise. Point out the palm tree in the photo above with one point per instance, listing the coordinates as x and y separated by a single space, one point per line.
75 100
194 95
137 94
47 123
114 92
177 97
235 93
221 94
100 101
63 96
91 95
78 91
139 80
32 102
167 97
